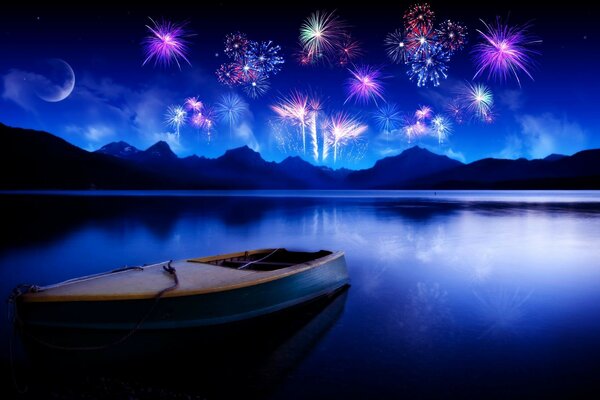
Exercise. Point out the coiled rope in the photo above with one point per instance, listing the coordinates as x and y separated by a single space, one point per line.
20 323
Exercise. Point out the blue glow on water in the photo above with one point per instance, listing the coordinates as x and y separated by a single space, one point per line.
457 293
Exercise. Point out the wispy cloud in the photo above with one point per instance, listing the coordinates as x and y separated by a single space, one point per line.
542 135
19 87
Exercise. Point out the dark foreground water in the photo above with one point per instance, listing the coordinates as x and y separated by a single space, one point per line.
466 294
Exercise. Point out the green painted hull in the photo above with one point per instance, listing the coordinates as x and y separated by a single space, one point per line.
190 311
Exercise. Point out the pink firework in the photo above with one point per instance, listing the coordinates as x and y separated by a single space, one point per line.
197 120
167 43
419 16
504 51
341 130
193 104
365 84
413 128
305 57
423 113
230 74
294 109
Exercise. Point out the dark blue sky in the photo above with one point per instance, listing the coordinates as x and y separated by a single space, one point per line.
115 98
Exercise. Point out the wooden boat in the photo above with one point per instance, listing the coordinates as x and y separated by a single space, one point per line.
193 292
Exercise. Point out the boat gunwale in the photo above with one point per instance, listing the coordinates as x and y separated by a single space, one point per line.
31 297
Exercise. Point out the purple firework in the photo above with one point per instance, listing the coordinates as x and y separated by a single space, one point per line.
452 35
504 51
236 45
365 84
167 43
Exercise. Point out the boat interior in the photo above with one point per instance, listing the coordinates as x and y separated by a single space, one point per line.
263 260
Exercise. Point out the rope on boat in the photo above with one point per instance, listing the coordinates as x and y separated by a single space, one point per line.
260 259
19 323
34 288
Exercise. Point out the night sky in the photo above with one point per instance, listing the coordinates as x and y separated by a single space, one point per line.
116 98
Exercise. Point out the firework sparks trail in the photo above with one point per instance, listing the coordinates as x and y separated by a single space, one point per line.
294 108
441 127
343 129
175 117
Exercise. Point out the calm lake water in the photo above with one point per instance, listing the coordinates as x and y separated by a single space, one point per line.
470 294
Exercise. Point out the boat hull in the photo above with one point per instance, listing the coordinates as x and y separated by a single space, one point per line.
205 309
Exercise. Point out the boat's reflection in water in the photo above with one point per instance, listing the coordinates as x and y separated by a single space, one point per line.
247 359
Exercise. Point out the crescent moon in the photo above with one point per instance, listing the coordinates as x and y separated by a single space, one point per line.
55 90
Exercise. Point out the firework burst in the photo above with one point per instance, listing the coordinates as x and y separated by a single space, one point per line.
504 51
295 109
197 120
419 42
166 44
477 100
236 45
456 110
230 109
342 130
414 128
452 35
175 117
396 46
208 121
257 86
365 84
388 117
348 51
419 16
430 68
441 127
192 104
423 113
230 74
264 57
320 35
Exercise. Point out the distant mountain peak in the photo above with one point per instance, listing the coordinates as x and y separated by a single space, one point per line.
241 154
119 149
160 149
554 157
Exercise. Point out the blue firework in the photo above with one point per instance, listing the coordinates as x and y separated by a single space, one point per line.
264 56
430 67
388 117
